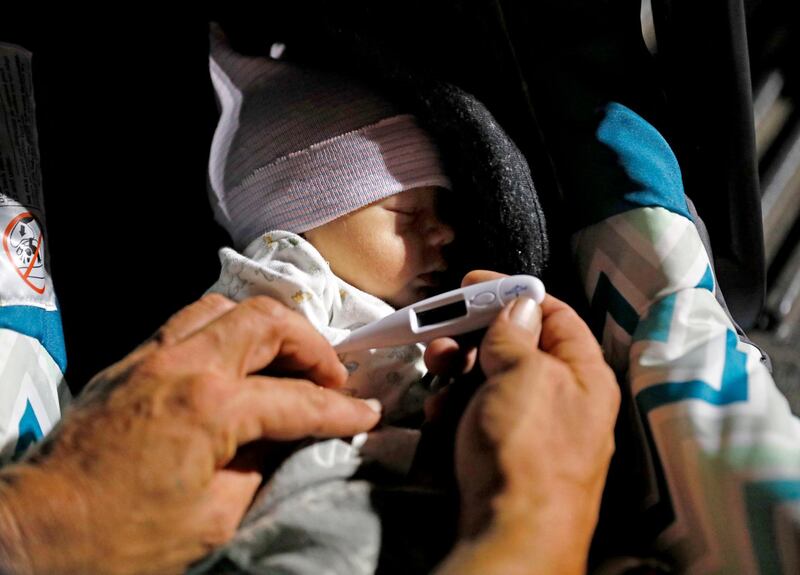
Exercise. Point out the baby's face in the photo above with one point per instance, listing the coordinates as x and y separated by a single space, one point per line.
391 249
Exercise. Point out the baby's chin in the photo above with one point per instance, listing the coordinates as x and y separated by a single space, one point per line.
412 294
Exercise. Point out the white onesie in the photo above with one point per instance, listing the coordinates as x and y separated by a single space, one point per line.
318 513
286 267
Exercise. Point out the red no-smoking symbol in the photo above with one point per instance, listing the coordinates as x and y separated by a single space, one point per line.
23 243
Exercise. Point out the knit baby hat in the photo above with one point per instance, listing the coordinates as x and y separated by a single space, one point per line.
296 148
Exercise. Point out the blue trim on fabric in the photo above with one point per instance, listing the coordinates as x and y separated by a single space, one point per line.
650 174
29 430
761 500
707 281
41 324
658 322
607 299
733 387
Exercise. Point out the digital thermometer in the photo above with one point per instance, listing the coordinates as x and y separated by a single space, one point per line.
455 312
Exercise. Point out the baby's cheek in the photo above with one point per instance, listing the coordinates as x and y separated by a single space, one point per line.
387 257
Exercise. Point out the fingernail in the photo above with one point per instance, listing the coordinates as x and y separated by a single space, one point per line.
359 440
524 312
374 405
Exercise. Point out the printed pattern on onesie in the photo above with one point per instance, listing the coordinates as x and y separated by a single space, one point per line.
314 516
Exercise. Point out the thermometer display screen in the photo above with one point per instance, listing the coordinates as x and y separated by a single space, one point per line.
441 314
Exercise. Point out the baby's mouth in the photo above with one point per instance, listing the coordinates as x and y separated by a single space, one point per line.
430 279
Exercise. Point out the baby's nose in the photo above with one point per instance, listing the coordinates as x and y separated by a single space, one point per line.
439 234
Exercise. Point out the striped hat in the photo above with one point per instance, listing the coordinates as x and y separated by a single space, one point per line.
296 148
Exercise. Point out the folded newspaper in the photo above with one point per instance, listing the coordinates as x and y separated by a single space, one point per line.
32 354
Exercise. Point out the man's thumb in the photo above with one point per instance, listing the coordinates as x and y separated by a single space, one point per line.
513 336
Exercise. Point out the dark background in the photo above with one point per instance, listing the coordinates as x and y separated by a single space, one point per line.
125 116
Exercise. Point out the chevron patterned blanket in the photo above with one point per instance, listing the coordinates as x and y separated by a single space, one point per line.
724 484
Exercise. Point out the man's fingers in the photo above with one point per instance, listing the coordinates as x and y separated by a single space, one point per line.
260 331
283 409
512 337
193 317
232 489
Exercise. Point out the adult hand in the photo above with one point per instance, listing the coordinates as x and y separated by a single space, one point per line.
141 474
533 447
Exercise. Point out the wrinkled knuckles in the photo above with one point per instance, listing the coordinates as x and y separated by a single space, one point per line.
499 354
491 416
544 372
267 308
318 407
170 333
201 393
165 336
156 365
216 301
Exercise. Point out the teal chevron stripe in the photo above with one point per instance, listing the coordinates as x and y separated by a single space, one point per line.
656 325
733 388
761 500
707 281
608 300
658 322
29 430
38 323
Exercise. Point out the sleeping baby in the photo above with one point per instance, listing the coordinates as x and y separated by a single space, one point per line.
332 198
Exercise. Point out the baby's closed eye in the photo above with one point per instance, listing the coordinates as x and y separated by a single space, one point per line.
411 212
